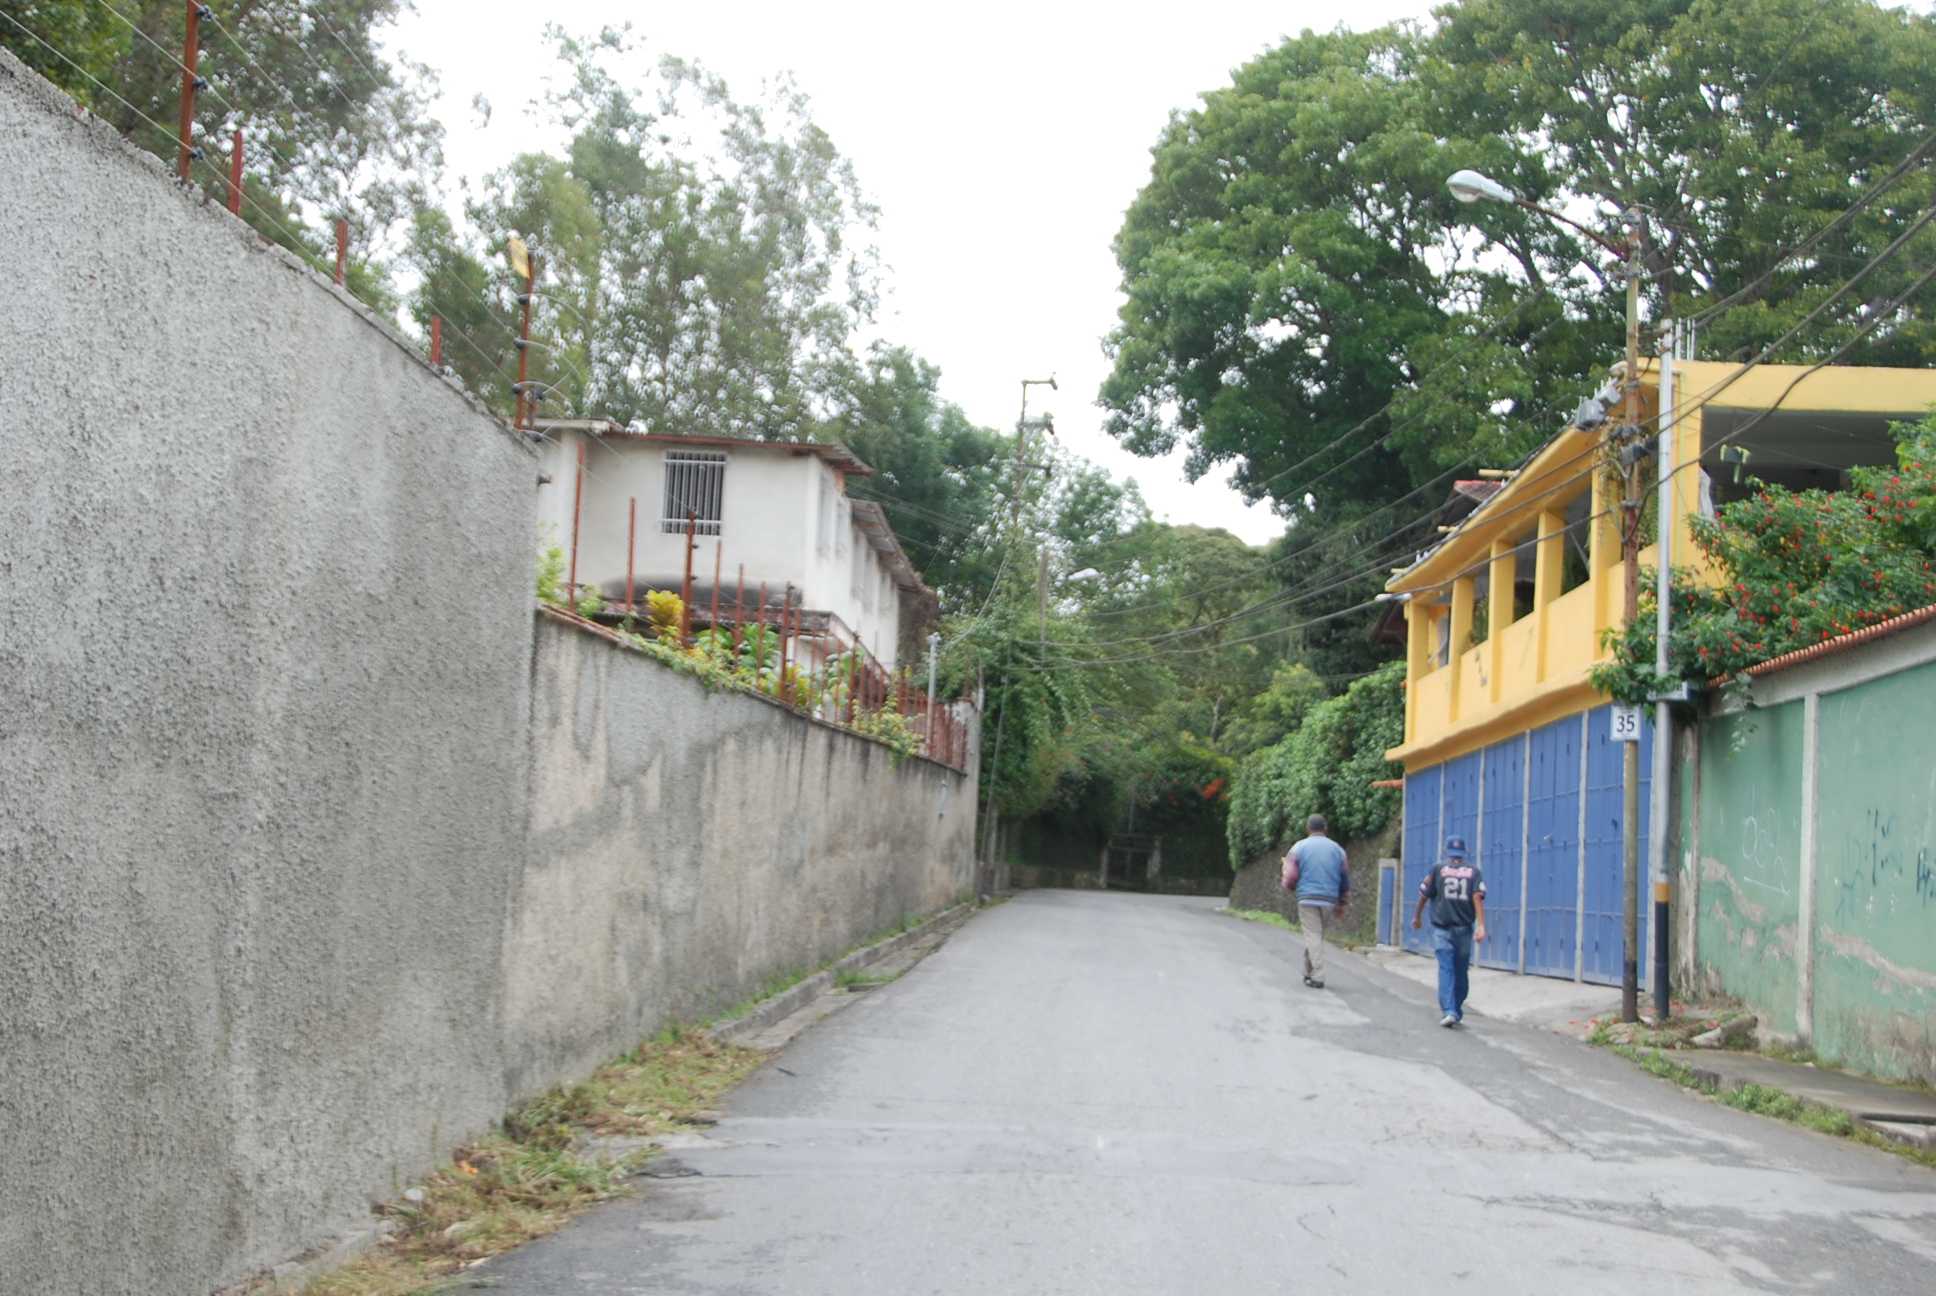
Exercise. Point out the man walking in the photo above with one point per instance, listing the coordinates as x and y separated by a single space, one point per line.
1456 891
1317 870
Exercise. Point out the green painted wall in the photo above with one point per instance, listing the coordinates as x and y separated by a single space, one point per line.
1750 868
1875 942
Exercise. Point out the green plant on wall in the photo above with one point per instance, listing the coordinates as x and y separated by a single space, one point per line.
1327 767
551 572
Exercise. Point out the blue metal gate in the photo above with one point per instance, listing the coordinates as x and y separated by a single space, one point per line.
1421 849
1544 807
1460 818
1553 846
1603 936
1499 850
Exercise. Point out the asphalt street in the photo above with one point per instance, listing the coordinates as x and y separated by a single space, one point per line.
1107 1093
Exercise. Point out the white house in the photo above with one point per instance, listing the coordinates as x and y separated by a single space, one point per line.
763 515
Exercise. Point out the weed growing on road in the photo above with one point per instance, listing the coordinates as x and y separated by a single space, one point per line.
1265 916
542 1167
1782 1105
1766 1100
1654 1063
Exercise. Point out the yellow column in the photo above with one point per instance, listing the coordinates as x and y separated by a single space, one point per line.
1461 638
1603 548
1549 562
1687 482
1418 658
1499 614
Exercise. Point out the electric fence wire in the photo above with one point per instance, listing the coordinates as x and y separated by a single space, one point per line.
1876 318
329 82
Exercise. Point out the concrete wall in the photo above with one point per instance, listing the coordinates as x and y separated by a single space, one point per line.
279 920
686 844
265 597
1815 892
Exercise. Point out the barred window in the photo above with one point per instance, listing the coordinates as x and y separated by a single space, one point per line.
695 481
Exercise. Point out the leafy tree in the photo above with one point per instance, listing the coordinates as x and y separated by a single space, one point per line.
709 288
73 43
942 479
1305 300
1267 718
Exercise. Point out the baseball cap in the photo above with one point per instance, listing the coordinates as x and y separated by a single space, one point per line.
1455 846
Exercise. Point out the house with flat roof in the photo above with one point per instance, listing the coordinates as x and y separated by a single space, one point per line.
751 529
1506 742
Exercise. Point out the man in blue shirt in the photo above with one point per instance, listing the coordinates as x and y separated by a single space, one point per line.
1317 868
1456 891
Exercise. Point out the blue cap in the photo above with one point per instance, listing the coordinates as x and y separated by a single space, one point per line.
1455 846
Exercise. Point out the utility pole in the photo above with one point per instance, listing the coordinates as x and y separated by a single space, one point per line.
1630 560
1042 598
524 265
934 665
1021 444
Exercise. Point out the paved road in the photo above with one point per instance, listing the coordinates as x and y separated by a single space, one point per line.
1110 1094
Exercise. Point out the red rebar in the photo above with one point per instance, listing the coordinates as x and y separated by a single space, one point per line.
719 556
739 614
437 341
342 246
759 656
235 173
191 57
786 627
685 590
631 547
577 505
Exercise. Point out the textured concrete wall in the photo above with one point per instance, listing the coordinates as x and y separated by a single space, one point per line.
1875 893
687 844
1816 894
265 586
279 920
1749 897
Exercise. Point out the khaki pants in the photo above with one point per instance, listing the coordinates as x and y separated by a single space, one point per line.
1312 916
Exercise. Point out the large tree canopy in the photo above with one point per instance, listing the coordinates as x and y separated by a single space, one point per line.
1296 264
705 261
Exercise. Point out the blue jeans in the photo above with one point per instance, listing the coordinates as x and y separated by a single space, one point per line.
1453 945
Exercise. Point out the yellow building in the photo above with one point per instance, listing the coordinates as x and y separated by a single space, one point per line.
1506 743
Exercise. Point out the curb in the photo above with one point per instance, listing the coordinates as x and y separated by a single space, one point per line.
793 998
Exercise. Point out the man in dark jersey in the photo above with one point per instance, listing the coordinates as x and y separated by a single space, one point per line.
1456 891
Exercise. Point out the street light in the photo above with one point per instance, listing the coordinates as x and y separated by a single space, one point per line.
1471 186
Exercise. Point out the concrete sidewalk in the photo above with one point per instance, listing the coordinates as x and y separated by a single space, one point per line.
1893 1111
1564 1007
1571 1008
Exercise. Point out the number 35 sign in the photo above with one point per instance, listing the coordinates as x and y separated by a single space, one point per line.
1626 723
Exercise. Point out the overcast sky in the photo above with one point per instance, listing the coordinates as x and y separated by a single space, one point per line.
1001 141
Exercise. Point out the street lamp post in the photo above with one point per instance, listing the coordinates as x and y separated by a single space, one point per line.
1471 186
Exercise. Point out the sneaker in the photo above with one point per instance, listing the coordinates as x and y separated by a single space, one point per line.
1315 985
1448 1021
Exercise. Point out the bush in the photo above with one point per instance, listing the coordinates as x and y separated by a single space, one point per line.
1327 767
